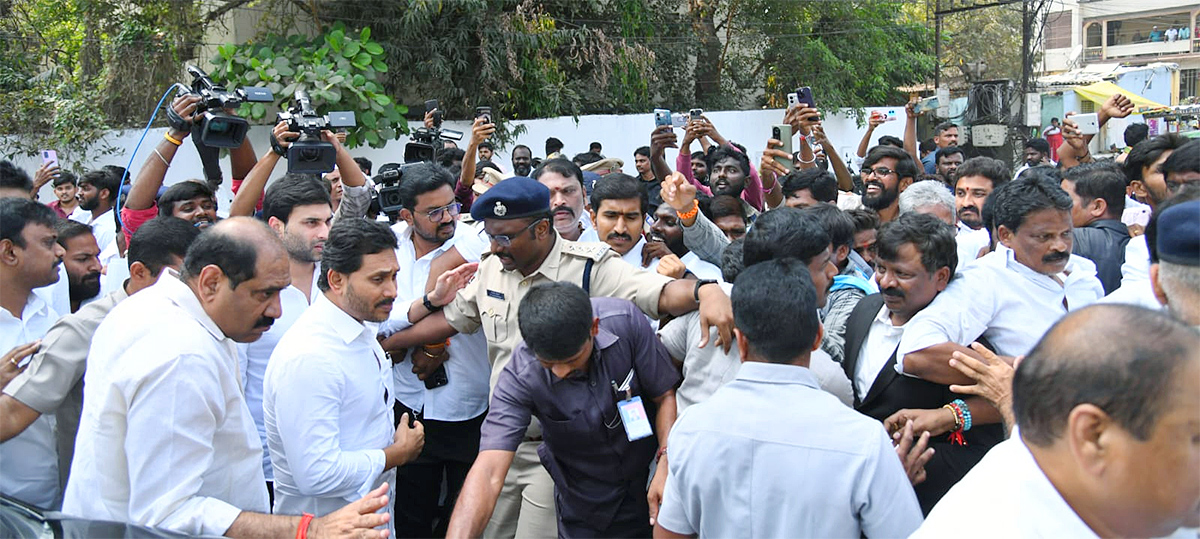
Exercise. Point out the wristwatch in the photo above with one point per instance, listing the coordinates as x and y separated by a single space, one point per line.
429 304
701 282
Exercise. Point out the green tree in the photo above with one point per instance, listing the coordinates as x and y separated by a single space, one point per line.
340 70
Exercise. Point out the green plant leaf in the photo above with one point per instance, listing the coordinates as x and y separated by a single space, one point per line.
351 49
379 66
374 48
362 61
258 110
373 139
382 99
369 119
366 33
358 80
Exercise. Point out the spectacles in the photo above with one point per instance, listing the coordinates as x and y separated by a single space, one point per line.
504 240
436 214
878 171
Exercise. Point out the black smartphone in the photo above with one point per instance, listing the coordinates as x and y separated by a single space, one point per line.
804 97
437 378
430 105
485 113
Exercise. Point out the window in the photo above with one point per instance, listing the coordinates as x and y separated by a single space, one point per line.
1058 30
1189 83
1093 35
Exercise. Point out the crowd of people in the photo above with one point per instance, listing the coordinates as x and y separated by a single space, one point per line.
921 342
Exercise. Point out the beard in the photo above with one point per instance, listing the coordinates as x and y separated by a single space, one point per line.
522 170
440 235
302 251
86 287
362 307
884 199
89 204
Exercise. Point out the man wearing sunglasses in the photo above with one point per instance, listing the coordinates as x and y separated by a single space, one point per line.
525 251
886 172
446 386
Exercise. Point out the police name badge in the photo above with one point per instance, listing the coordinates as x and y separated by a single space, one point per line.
633 416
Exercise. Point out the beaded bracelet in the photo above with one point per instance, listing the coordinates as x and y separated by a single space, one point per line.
956 407
966 414
690 213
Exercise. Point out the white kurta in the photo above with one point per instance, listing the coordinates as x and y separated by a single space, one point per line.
29 461
165 439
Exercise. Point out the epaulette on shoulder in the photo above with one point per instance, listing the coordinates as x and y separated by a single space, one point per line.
594 250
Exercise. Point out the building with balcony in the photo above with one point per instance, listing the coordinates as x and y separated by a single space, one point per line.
1129 34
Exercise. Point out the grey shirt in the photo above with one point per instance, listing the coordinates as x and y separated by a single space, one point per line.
586 450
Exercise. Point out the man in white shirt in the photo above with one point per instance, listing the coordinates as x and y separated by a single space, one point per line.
978 177
1011 295
915 261
298 209
446 386
567 198
1108 410
29 258
617 212
98 191
165 439
53 383
736 460
328 393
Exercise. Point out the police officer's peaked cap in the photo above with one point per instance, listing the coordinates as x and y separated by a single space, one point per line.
513 198
1179 234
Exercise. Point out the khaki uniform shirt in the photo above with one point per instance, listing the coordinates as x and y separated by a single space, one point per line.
491 300
53 383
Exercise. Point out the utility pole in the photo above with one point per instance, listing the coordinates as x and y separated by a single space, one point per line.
937 43
1026 55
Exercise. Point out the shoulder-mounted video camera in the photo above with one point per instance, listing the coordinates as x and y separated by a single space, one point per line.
216 127
311 154
423 147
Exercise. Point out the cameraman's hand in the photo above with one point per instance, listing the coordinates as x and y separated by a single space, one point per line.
429 119
185 106
480 131
283 136
333 139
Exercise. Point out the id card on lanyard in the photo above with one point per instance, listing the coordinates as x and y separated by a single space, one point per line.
632 411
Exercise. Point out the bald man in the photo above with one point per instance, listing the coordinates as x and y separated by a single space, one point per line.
165 439
1108 410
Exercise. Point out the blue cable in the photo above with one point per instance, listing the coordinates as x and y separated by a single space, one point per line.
117 204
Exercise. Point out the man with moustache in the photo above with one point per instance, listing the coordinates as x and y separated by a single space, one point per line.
81 258
445 384
165 439
915 261
567 196
97 195
328 392
977 178
29 259
522 160
948 161
886 172
53 382
1010 296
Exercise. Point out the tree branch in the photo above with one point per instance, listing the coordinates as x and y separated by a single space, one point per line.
229 5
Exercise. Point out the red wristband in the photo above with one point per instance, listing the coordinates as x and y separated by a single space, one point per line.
302 531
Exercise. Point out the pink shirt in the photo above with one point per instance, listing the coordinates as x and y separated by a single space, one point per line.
752 194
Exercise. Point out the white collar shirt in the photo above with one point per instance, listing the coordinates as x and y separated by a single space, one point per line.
882 340
693 263
1137 261
57 294
165 439
1010 478
255 356
1003 300
28 461
736 460
468 369
969 241
105 230
327 402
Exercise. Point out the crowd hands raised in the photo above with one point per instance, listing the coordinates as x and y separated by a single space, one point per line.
806 347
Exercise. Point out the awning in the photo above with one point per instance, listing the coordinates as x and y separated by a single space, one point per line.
1099 92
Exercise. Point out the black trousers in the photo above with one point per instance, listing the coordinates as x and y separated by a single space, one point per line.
450 450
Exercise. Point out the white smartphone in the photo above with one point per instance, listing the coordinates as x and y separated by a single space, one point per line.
1089 124
50 158
891 114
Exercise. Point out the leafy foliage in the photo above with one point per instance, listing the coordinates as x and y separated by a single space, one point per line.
339 69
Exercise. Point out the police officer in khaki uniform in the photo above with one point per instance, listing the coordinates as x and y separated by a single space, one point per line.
526 250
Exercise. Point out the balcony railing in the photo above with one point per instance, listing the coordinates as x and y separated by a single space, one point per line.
1157 48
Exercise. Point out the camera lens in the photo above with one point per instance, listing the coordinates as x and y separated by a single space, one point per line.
217 126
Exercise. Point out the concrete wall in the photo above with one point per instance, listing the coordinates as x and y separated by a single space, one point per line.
620 135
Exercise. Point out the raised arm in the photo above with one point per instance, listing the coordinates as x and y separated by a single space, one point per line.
835 161
661 138
910 133
250 189
874 121
150 178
